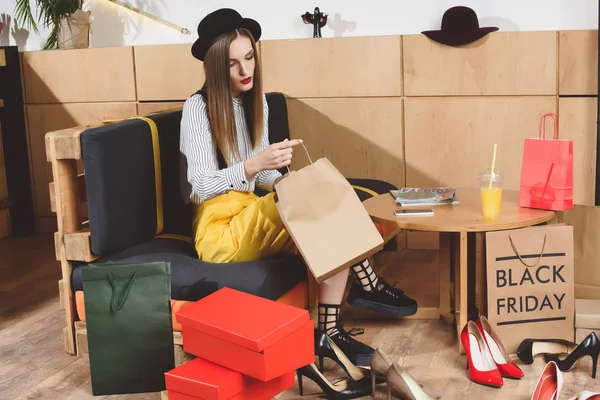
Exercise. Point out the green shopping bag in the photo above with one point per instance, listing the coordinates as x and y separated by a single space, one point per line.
128 320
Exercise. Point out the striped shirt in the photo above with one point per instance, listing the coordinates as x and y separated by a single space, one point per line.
199 165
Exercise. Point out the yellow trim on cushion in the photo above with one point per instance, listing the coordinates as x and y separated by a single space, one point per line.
157 173
183 238
364 189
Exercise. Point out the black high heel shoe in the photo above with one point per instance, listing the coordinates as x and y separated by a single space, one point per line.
357 352
345 389
326 348
529 348
590 346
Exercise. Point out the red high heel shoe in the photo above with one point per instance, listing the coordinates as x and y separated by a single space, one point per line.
549 383
507 368
481 365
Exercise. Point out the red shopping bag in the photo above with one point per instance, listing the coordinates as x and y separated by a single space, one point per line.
547 171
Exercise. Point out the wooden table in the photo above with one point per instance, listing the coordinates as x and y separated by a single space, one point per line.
462 234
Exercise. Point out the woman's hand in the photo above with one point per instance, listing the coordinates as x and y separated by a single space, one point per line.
276 156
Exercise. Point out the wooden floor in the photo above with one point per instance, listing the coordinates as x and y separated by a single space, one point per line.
33 364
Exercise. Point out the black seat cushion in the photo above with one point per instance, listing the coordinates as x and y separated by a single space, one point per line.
372 185
192 279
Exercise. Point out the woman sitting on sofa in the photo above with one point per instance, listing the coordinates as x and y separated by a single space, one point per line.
227 120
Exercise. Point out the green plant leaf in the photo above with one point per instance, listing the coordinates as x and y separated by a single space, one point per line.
24 15
52 41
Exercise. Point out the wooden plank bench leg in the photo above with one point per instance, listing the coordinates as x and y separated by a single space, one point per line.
66 193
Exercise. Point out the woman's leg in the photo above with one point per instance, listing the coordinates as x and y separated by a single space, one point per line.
331 293
373 293
237 227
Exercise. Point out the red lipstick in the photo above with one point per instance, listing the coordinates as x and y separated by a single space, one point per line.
247 80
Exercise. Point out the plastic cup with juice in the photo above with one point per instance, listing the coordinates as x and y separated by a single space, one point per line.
491 193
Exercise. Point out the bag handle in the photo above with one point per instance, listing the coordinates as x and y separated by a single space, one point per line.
125 295
308 155
542 133
519 255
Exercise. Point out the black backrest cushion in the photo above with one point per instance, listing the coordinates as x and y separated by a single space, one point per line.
119 167
119 171
176 214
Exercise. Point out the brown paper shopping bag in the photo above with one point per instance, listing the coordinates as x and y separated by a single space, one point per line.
530 283
326 219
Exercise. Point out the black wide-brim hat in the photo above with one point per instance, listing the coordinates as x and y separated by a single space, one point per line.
217 23
459 26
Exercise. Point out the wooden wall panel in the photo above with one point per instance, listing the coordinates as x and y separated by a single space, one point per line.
361 137
449 141
167 72
4 213
4 223
50 117
586 237
502 63
578 62
151 107
422 240
577 121
3 185
47 224
333 67
85 75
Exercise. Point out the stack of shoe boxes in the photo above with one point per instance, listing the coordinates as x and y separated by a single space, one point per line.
247 347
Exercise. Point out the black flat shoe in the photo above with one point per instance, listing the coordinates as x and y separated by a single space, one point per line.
590 346
529 348
326 348
345 389
382 298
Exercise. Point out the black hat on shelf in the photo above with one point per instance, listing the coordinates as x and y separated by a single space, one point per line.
460 25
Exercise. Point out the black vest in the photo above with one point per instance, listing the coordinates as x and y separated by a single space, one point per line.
220 158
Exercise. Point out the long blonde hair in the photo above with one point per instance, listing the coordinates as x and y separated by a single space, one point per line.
217 88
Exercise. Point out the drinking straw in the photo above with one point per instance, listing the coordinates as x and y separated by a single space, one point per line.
493 164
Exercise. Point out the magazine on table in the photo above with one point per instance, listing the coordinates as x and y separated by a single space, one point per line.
424 196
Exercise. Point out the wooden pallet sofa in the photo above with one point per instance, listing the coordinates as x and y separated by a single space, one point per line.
126 207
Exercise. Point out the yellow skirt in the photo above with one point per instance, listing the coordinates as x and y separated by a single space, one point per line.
238 226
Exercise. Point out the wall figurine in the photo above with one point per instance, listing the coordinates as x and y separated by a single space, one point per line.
317 19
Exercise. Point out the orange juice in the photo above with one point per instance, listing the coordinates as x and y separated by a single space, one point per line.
491 199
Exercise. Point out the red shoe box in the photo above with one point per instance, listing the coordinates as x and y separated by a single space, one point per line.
252 335
203 380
